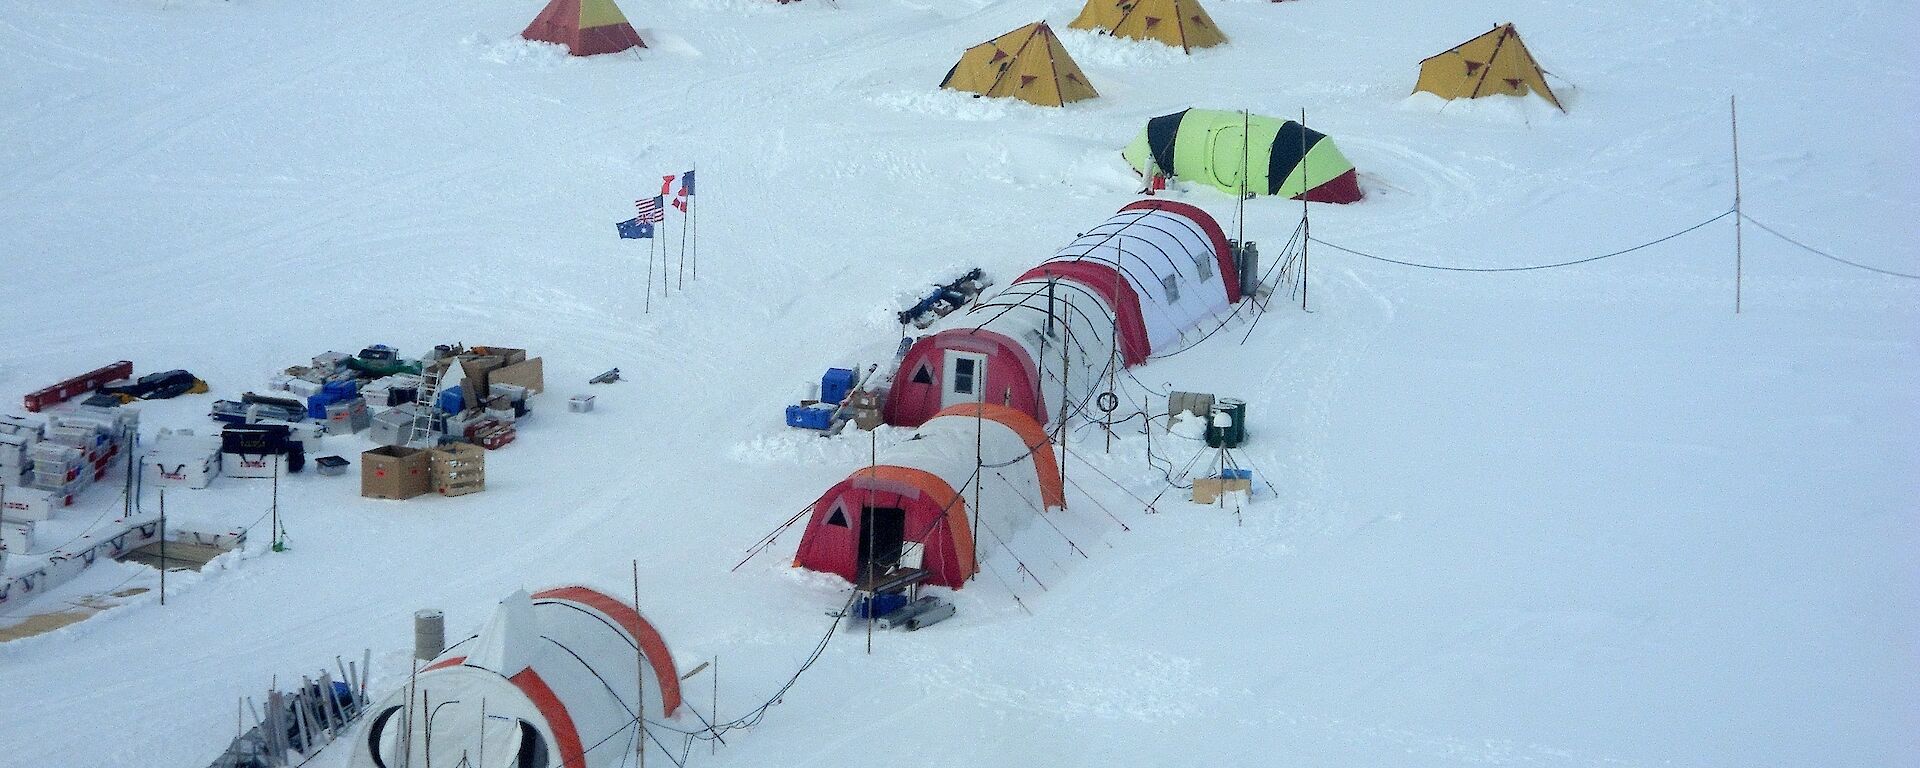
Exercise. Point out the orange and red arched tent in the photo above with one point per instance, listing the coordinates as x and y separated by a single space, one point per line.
916 508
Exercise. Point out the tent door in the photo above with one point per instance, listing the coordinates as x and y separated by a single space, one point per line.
1227 153
883 533
964 380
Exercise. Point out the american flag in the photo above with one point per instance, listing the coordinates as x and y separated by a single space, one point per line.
650 209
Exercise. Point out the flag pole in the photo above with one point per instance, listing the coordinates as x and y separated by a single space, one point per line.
692 206
682 279
649 307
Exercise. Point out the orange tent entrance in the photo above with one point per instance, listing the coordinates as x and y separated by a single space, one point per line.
916 509
585 27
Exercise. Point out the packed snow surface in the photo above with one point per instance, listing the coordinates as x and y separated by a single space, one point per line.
1574 517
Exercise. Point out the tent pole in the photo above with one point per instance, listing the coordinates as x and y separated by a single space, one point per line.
862 570
639 681
713 747
979 471
1113 359
1733 114
1306 228
1065 394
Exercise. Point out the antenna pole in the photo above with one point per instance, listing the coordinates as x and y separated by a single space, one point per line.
163 546
279 545
1733 114
1246 174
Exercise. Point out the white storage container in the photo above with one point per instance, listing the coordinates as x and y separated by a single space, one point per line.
17 538
182 461
29 505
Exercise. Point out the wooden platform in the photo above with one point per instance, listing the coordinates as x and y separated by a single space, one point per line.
43 623
180 555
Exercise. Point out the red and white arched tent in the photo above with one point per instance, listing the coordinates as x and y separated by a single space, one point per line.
554 673
917 508
1141 283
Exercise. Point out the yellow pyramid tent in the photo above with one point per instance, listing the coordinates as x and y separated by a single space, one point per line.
1493 63
1180 23
1028 64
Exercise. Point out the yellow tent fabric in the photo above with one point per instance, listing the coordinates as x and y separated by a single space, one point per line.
1028 64
1494 63
600 13
1181 23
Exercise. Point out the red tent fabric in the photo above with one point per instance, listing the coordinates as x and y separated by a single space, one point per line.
585 27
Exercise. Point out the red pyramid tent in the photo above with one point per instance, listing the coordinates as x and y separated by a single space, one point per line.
585 27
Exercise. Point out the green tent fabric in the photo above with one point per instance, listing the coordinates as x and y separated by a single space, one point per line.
1209 146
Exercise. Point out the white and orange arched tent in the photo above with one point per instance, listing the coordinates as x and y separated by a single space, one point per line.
551 677
1149 280
917 507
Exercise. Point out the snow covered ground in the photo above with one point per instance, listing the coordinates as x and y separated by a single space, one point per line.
1572 517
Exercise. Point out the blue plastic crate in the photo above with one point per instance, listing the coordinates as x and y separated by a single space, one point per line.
809 416
879 605
1236 474
452 399
836 384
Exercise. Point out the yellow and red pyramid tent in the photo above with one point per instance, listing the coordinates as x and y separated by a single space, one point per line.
1181 23
585 27
1493 63
1028 64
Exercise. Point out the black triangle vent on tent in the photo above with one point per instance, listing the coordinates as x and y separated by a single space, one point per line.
839 518
922 375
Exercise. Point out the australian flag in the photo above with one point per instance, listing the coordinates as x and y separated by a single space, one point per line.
635 229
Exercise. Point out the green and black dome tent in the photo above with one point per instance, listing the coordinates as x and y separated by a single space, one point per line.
1210 146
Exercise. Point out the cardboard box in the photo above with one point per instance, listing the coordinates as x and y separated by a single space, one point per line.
394 472
474 371
529 373
511 355
458 469
1207 490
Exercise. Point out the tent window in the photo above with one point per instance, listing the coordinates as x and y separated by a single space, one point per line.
839 518
922 375
1172 284
1203 264
963 375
